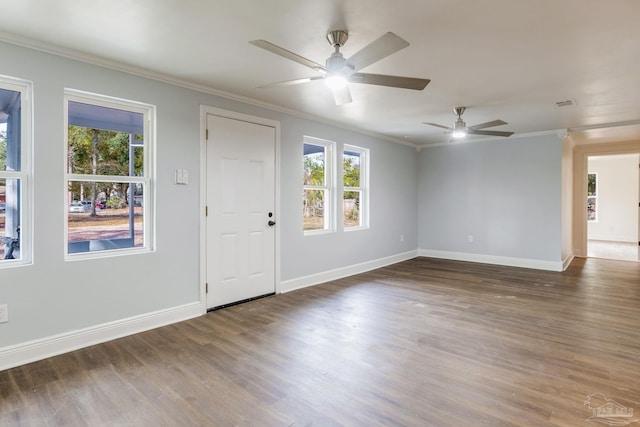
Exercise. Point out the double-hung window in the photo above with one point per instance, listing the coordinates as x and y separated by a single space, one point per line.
15 171
355 199
108 186
318 204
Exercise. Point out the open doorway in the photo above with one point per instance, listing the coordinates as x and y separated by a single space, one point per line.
613 218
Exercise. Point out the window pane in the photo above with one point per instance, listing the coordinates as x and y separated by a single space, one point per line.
102 216
10 218
592 208
313 209
351 169
10 132
102 152
104 141
314 164
591 184
351 209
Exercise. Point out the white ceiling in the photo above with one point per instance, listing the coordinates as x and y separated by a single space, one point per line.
502 59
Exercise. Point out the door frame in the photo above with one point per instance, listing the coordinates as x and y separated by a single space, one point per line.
204 112
581 154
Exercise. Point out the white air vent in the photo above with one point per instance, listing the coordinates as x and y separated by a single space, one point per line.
566 103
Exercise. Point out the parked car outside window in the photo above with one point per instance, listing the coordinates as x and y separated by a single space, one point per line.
76 207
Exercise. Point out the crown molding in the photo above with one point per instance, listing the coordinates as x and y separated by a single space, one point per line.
603 126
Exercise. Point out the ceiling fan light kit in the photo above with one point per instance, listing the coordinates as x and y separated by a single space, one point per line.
338 71
335 81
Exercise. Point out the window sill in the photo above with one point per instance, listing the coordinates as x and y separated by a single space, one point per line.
318 232
350 229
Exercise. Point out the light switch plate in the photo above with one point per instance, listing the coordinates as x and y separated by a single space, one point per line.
182 177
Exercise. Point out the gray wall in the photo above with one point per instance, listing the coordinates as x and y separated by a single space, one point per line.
54 296
506 193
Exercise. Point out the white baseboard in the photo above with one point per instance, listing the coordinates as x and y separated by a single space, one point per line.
616 239
339 273
494 259
39 349
577 253
567 261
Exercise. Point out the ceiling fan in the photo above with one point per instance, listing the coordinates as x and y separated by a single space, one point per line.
338 70
460 128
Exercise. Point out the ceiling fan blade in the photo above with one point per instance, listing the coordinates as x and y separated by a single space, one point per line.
287 54
291 82
488 132
391 81
488 124
384 46
437 125
342 96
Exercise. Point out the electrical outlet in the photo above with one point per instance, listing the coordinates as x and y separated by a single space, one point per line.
402 237
470 238
4 313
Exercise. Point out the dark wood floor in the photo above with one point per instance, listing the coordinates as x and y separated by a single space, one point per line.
421 343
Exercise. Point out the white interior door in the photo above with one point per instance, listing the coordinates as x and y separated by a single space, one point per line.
240 200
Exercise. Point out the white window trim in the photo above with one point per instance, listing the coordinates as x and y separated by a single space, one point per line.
25 174
149 113
330 213
363 188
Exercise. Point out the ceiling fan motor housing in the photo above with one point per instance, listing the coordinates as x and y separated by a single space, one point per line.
337 64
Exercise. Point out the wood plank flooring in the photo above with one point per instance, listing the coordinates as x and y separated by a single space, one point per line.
421 343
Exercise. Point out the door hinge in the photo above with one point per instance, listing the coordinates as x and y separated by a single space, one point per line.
206 288
206 211
206 134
